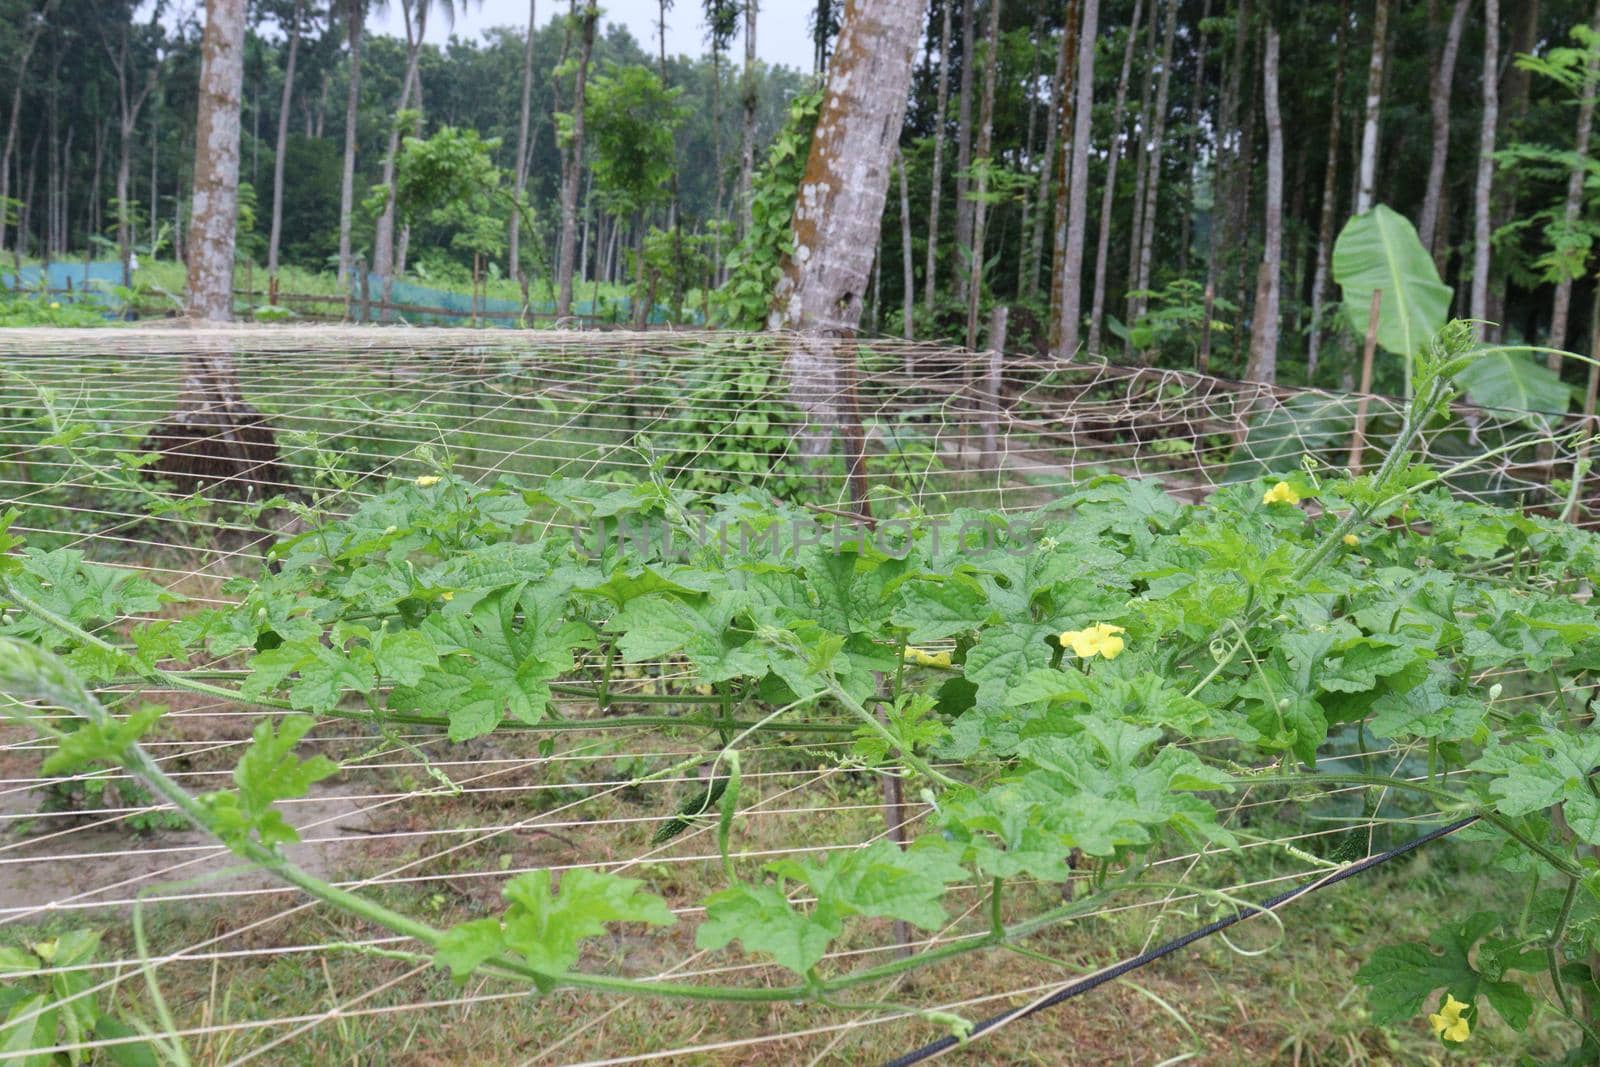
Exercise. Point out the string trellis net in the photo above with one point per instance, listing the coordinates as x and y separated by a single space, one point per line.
116 451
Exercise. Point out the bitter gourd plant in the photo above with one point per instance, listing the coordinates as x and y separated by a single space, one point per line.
1090 680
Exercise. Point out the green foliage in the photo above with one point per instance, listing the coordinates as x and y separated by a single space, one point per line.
545 926
756 264
1402 977
630 124
1380 251
450 179
1174 321
1260 645
43 1009
268 772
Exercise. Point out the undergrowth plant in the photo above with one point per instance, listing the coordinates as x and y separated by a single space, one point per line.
1070 694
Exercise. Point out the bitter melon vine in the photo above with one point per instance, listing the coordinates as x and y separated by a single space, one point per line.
1208 649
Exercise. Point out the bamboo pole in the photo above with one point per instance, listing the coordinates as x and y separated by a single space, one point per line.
1358 439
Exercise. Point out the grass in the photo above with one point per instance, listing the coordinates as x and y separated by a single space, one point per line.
1260 999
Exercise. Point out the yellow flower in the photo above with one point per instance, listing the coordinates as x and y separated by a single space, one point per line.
1098 640
923 658
55 305
1352 540
1281 494
447 596
427 480
1448 1023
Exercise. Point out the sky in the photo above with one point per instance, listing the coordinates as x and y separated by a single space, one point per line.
783 29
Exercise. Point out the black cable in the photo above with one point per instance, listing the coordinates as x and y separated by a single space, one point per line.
1100 978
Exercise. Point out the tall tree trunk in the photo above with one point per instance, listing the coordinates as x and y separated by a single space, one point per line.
930 273
840 207
1263 363
750 96
1152 188
1228 163
129 103
1562 305
838 215
908 328
216 162
1367 174
1191 159
356 13
969 45
1071 281
1141 167
1443 76
980 208
20 65
572 159
675 212
1060 84
1109 189
1330 180
1483 188
1063 120
283 144
1024 285
414 13
514 237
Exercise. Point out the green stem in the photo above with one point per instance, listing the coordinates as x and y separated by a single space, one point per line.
1553 947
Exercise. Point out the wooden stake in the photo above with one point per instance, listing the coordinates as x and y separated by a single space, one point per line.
991 418
1358 439
1580 466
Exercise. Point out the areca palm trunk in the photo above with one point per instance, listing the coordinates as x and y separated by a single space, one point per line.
1071 281
514 237
1561 306
1108 191
572 160
1443 75
1367 170
980 207
1483 187
1330 181
283 145
1263 362
930 275
355 13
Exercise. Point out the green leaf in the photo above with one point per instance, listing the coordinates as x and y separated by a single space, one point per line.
1551 768
466 945
1380 250
97 743
1503 378
761 917
545 925
881 880
268 771
495 660
1004 655
934 610
1400 978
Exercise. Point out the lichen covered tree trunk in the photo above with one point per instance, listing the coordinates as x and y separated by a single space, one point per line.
1263 363
213 219
839 209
